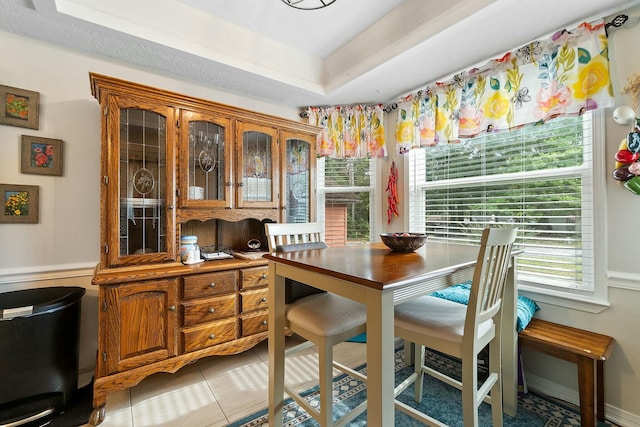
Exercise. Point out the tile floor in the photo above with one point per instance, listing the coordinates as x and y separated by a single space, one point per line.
216 390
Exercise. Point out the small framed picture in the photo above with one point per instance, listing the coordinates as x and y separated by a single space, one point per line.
20 203
41 156
19 107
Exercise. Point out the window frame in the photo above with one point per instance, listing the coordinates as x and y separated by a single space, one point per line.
595 300
372 189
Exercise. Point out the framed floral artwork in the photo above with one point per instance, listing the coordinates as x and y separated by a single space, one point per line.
19 107
41 156
20 203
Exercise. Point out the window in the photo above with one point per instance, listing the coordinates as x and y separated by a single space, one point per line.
345 197
536 178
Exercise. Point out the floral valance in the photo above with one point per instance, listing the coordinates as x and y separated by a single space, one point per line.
349 131
566 74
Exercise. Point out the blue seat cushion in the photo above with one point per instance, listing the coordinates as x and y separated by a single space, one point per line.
460 293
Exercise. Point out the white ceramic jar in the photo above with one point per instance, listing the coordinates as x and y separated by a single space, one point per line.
189 250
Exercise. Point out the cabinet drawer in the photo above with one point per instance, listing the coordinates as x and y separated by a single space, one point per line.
207 310
254 300
204 336
254 324
253 277
203 285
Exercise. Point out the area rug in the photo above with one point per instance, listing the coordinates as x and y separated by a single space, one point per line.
443 402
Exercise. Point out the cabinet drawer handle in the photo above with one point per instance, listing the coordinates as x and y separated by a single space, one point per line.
263 299
264 322
172 308
229 184
212 336
264 275
240 184
211 310
212 284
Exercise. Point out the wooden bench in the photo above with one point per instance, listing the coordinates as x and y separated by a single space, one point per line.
587 349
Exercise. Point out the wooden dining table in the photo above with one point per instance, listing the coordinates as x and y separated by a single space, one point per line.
378 278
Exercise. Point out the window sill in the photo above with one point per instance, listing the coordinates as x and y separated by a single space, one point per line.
564 299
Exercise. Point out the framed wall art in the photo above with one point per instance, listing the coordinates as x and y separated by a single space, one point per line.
20 203
19 107
41 156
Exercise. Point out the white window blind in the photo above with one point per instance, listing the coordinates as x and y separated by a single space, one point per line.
345 199
536 178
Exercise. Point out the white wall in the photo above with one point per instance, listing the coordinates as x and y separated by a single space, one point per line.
63 248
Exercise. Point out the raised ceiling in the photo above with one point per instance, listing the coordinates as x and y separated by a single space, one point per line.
354 51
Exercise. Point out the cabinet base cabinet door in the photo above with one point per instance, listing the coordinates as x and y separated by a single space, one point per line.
141 323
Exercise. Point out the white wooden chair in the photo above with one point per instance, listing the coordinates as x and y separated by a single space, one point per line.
323 319
290 234
462 331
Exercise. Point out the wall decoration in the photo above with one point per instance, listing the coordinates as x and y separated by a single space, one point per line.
20 203
41 156
392 188
627 166
19 107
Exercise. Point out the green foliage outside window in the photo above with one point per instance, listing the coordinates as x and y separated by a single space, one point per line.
530 178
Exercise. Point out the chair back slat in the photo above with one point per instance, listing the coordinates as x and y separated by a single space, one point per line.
295 233
487 288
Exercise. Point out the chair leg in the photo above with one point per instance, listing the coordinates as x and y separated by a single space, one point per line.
325 367
419 352
470 391
495 363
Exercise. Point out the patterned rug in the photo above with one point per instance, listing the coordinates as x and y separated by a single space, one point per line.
443 401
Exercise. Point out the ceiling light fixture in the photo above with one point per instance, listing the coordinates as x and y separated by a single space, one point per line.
308 4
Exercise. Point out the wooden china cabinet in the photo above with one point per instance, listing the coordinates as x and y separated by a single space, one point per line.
175 165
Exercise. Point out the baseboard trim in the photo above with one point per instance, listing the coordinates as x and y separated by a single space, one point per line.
612 413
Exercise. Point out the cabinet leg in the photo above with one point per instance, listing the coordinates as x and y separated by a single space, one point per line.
97 415
99 407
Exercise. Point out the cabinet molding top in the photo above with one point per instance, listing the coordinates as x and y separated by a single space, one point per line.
100 83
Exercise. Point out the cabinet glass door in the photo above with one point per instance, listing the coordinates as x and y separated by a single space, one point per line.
145 230
206 181
298 203
258 162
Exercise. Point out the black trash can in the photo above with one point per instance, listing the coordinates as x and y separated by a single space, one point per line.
39 350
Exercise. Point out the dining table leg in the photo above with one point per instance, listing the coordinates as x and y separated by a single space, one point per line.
276 344
380 359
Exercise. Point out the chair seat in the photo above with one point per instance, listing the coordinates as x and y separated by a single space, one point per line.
435 317
326 314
